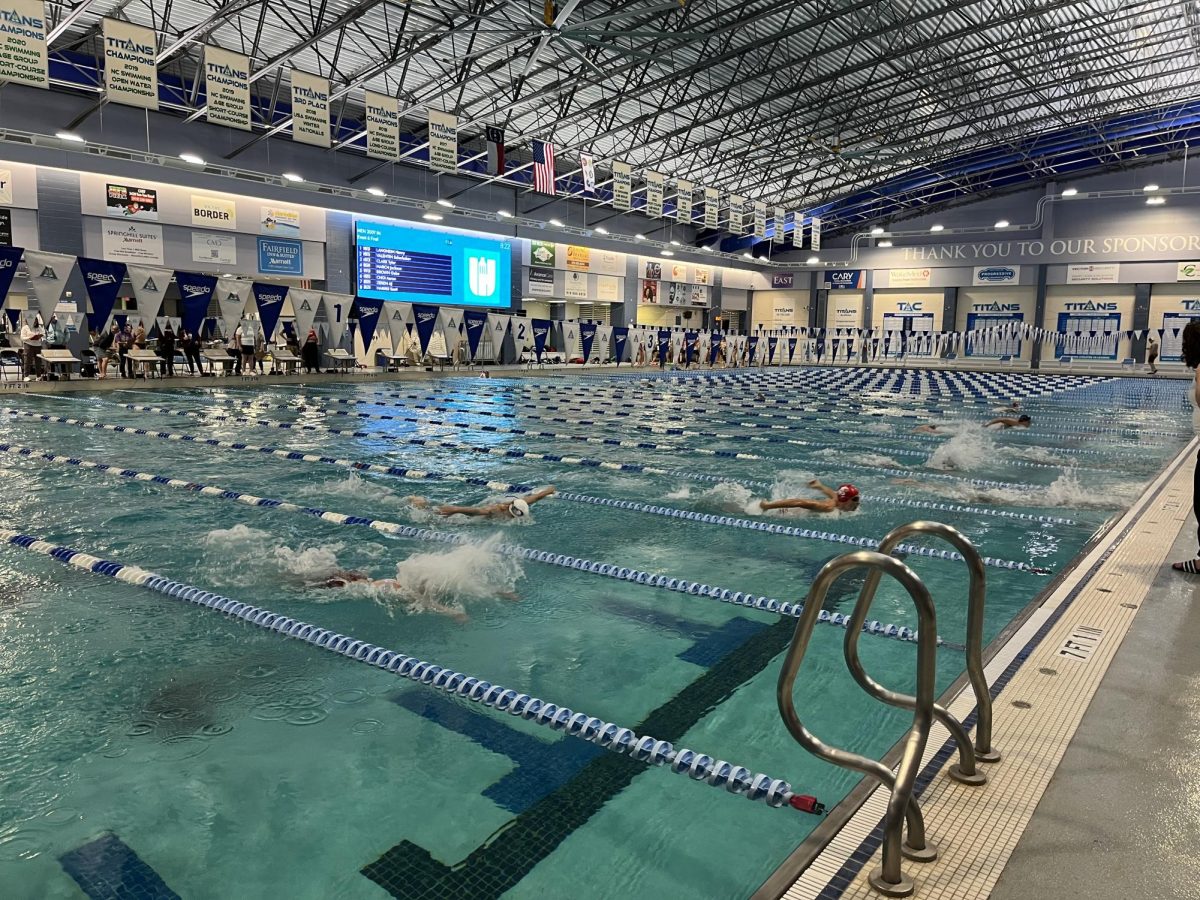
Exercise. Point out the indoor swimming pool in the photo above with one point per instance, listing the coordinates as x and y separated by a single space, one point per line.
216 759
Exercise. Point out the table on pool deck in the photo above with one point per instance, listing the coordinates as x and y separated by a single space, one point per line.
60 359
147 359
343 360
284 360
219 356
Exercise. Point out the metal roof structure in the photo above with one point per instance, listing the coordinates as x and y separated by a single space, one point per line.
855 110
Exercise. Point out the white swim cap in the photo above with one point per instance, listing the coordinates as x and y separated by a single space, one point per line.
518 508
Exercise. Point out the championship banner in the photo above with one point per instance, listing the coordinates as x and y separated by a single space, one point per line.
654 194
443 143
23 43
712 207
797 230
426 319
383 126
232 298
737 214
103 280
310 109
620 337
304 308
337 316
130 64
622 185
399 318
48 274
683 201
816 233
664 345
10 258
476 323
792 349
541 328
269 299
587 336
150 285
227 87
368 312
760 219
589 173
195 293
780 225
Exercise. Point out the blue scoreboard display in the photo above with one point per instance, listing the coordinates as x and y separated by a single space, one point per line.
416 265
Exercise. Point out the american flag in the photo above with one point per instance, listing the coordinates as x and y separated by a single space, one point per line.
543 167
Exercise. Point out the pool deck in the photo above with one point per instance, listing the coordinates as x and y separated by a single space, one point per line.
1096 784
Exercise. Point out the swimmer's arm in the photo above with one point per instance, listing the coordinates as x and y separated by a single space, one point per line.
799 503
538 495
464 511
829 492
1000 421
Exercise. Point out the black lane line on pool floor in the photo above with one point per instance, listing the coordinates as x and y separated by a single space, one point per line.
408 871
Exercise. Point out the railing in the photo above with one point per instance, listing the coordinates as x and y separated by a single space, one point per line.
902 807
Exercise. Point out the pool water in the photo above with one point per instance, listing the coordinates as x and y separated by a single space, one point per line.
175 749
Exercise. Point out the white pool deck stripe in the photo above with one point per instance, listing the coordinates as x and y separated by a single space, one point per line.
1081 626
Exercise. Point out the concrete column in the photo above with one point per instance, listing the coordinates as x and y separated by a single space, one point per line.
339 250
868 297
1039 313
1141 320
949 309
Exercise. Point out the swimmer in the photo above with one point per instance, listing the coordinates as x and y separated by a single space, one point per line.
1013 408
844 499
512 508
761 398
1009 422
485 374
342 577
927 429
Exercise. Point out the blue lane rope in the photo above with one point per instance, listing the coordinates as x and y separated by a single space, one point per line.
578 438
737 780
500 486
548 457
608 570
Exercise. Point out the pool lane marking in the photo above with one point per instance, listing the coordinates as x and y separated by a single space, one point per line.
423 474
701 767
587 566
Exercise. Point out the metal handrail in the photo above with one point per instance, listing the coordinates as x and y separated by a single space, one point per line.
889 878
982 751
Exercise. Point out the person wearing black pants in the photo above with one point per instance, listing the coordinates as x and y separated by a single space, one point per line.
1191 356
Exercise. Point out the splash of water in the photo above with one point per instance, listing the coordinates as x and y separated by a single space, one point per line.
970 448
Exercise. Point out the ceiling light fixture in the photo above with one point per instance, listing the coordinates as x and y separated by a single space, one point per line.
504 213
431 217
292 176
376 192
1155 201
1003 223
878 229
707 249
885 243
812 261
70 136
748 255
1150 188
600 229
1070 192
937 227
555 223
193 159
639 237
445 203
668 253
674 243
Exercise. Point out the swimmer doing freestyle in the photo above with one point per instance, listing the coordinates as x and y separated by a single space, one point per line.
512 508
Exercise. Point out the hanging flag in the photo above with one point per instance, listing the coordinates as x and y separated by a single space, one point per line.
304 307
269 300
797 229
23 44
498 327
541 328
310 109
383 126
103 280
10 258
399 316
450 323
543 168
195 293
689 345
772 345
337 316
816 233
150 285
48 274
495 149
130 64
587 336
760 219
622 185
664 345
792 348
737 214
227 88
443 141
426 317
232 298
714 348
654 194
589 173
780 224
620 337
367 313
683 201
712 207
476 322
752 348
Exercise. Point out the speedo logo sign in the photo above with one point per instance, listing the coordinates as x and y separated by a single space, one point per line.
99 278
425 317
195 290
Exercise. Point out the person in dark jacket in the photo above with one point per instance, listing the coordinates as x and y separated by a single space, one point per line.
189 343
166 349
310 353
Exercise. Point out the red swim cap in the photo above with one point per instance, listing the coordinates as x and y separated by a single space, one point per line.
846 493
